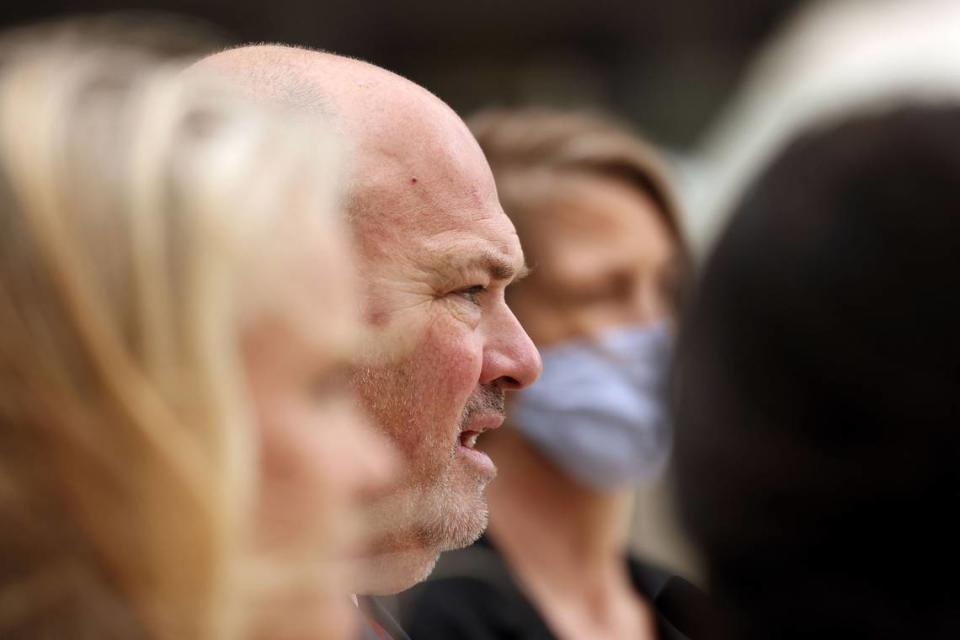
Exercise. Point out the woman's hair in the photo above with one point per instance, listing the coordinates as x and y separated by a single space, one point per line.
530 149
538 139
817 443
134 205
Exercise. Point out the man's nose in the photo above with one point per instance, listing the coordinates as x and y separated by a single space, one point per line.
510 359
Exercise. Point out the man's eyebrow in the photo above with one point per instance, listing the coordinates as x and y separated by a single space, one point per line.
497 266
522 273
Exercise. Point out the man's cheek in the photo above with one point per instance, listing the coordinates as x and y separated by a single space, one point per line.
392 339
395 312
419 395
452 358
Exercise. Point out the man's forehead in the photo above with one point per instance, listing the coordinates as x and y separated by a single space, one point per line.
448 198
430 174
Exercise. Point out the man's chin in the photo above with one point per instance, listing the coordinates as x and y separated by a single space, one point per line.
402 551
462 532
394 571
399 567
462 519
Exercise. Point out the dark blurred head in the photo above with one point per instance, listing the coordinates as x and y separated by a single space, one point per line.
817 443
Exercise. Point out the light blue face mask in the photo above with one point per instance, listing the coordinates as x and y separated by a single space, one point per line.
599 410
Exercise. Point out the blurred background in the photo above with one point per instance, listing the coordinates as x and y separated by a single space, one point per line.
714 83
667 66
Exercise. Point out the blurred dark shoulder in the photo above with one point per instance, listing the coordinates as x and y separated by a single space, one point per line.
472 595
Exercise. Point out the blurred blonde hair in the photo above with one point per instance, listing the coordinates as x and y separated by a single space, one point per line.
530 149
134 205
520 142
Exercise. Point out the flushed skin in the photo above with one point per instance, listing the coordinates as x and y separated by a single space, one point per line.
435 255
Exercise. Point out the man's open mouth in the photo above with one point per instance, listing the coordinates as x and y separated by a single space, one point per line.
468 439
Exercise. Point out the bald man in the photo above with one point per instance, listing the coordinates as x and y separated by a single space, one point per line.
436 252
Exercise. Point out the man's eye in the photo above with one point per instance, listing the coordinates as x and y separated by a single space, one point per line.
472 293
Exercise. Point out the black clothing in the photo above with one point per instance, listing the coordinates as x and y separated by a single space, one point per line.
472 596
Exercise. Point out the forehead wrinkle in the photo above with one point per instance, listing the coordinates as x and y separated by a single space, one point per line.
470 257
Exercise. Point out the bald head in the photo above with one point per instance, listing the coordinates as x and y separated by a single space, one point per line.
397 133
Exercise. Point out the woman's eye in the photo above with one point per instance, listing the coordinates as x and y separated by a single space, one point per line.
472 293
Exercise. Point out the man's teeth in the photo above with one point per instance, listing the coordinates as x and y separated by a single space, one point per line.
469 440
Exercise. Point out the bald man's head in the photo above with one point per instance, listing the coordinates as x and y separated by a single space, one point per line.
384 119
435 253
271 73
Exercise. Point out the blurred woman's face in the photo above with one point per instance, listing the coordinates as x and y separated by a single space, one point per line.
318 455
602 258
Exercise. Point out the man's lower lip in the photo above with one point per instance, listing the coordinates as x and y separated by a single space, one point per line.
479 459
